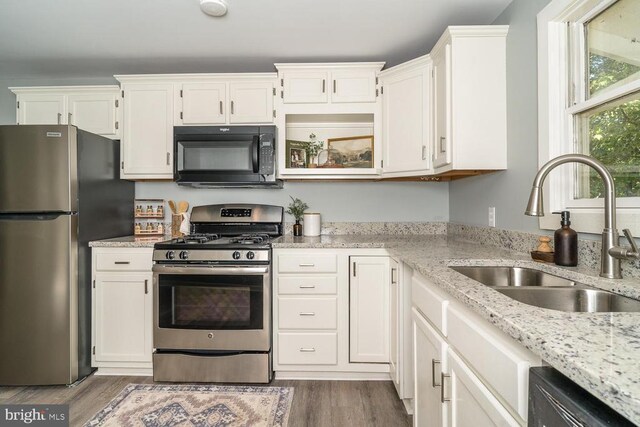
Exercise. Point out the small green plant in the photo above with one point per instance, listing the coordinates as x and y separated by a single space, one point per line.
296 208
314 146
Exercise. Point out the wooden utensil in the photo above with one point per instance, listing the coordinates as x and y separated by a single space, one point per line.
172 205
183 206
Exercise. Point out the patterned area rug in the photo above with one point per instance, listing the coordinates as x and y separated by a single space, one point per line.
196 405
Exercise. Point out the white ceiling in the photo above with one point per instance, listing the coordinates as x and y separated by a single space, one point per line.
96 38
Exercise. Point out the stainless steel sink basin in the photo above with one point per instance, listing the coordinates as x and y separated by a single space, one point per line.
512 276
544 290
578 299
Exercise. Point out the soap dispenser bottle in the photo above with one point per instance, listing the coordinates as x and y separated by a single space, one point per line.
565 242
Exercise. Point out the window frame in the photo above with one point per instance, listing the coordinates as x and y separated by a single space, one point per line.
562 95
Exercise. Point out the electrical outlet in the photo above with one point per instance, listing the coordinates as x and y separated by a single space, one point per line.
492 216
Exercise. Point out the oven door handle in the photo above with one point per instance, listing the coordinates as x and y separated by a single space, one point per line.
180 269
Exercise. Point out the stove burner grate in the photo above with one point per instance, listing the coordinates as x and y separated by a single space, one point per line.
248 239
197 238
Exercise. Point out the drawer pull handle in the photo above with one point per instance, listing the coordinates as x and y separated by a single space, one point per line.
310 313
307 286
394 276
307 265
122 262
442 398
434 362
307 350
146 286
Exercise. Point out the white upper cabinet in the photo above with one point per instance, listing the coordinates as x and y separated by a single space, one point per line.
304 87
251 102
96 112
147 142
353 86
203 103
220 99
406 114
91 108
330 83
470 114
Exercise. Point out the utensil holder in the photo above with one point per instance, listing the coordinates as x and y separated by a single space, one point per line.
176 221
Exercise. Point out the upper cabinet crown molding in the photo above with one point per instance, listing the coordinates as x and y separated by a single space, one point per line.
328 65
57 89
192 77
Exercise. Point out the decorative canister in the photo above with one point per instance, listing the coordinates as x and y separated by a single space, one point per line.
312 224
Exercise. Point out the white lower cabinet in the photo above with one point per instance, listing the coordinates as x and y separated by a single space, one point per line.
369 309
467 373
314 322
122 305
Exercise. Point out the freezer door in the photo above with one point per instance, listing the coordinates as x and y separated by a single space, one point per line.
38 300
38 168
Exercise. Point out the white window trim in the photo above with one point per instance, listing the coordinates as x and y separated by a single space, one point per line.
555 127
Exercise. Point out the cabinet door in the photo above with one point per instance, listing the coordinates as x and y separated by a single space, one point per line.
406 119
147 141
94 112
302 87
394 324
204 103
353 86
251 102
369 310
442 101
123 316
41 109
472 404
429 355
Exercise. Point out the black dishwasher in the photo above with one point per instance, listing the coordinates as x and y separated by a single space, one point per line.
556 401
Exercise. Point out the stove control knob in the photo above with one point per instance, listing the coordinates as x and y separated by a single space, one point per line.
250 255
170 255
184 255
236 255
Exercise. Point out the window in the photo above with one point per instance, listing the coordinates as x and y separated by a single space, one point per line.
589 103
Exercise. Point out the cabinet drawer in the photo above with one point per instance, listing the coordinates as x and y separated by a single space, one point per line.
305 285
307 313
307 349
321 263
431 302
124 261
500 361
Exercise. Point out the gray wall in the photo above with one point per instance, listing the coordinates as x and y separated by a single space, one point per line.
338 201
508 191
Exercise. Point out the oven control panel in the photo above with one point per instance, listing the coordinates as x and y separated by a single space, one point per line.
235 213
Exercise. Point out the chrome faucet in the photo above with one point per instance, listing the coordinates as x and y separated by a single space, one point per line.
612 252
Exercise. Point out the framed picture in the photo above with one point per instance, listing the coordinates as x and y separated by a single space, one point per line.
353 151
296 152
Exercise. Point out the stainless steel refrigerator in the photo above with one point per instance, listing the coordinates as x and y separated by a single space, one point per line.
59 189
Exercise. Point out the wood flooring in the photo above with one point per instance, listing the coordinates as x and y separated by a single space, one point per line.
315 403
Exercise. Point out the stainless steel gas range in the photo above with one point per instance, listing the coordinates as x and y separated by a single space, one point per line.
212 297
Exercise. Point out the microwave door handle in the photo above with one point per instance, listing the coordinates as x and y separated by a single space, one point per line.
254 154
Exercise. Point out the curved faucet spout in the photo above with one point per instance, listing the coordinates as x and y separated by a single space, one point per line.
535 206
611 252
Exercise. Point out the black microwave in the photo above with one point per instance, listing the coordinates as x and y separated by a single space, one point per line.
225 156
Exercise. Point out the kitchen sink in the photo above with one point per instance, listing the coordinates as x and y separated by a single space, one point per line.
578 299
544 290
512 276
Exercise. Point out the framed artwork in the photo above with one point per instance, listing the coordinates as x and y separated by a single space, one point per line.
353 151
296 152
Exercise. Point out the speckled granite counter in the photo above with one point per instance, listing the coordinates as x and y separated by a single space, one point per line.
128 242
599 351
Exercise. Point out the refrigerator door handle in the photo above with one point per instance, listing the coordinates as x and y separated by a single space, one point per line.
33 216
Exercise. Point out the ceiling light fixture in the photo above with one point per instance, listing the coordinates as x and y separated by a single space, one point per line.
214 7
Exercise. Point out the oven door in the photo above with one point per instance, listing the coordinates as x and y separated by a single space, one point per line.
212 308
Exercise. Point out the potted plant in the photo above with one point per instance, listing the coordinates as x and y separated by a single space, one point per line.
296 209
313 148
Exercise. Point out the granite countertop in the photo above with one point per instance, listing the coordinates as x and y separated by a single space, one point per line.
599 351
128 242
